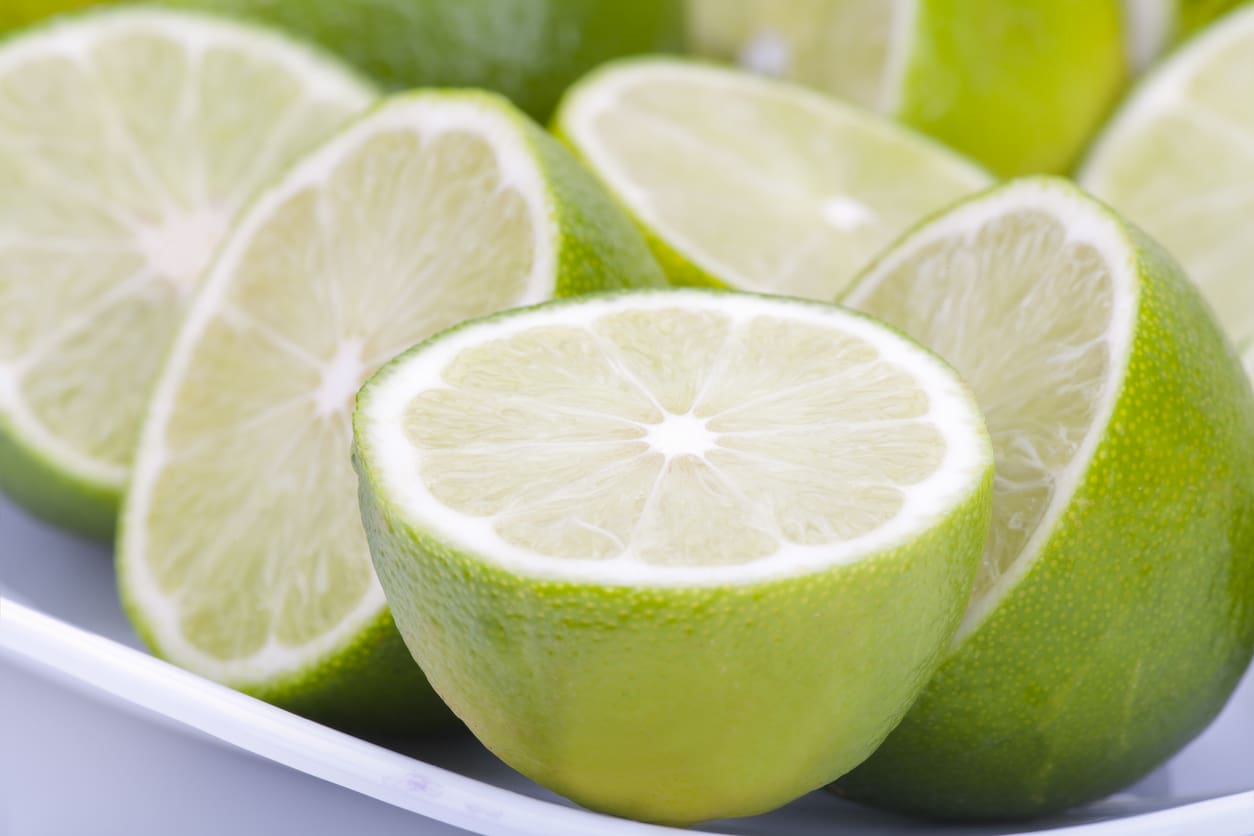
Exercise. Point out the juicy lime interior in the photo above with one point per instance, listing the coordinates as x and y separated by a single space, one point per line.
765 186
675 432
382 237
1045 297
1178 162
127 145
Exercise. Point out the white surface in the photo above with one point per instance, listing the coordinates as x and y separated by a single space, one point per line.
97 737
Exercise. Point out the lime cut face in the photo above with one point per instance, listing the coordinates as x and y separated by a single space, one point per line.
126 151
1110 620
755 184
610 527
1177 159
242 555
1061 316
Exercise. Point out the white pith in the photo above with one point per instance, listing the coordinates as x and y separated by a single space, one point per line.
901 46
592 98
428 117
1085 223
74 38
394 459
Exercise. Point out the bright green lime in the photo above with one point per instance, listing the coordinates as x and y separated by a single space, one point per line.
677 555
241 553
1114 611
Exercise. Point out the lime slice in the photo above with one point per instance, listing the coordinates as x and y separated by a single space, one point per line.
128 142
676 555
752 183
241 552
1110 618
1018 86
1178 160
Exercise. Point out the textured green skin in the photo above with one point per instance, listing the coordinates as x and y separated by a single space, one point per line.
371 683
44 489
676 704
982 86
1131 630
530 50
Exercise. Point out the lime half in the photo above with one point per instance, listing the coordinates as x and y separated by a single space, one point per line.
677 555
129 140
1179 160
753 183
241 554
1111 616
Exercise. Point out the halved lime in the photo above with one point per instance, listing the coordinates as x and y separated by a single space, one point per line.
1179 160
679 554
1111 616
241 554
1152 27
1019 86
752 183
129 140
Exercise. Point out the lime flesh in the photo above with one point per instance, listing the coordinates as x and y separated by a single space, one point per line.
241 554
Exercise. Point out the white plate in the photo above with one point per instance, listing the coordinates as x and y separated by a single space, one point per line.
64 636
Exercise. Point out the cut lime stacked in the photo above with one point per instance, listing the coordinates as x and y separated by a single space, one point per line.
677 555
1114 611
241 554
751 183
126 149
1019 86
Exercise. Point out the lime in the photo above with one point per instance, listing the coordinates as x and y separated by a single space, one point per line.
753 183
529 50
678 554
1178 160
241 552
1019 86
1112 614
128 142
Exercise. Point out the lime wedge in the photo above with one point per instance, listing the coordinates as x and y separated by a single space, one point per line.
753 183
1018 86
241 553
1179 158
679 554
1151 27
1110 618
129 140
